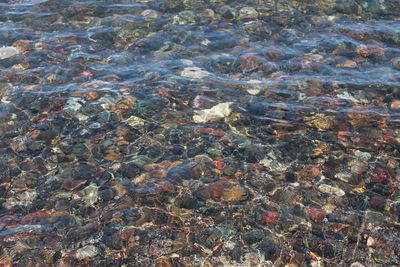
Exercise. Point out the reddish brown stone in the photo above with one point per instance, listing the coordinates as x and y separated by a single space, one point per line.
377 202
216 189
218 164
23 45
159 173
165 186
37 215
203 130
70 184
270 217
379 175
7 220
274 53
308 172
317 214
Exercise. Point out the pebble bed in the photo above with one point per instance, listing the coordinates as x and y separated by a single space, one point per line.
200 133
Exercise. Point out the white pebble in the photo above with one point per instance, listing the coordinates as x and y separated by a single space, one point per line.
8 51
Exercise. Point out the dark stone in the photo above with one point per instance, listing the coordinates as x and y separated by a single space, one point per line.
256 108
161 218
196 147
130 170
147 45
56 256
228 151
7 173
220 40
153 152
87 211
182 172
377 188
269 249
326 250
253 237
113 241
91 108
105 36
104 178
186 202
236 253
83 172
105 116
65 221
178 150
289 176
377 203
131 215
269 187
3 191
62 204
107 194
298 211
149 108
359 201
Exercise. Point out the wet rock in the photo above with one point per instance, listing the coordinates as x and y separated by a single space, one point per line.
395 105
194 73
120 59
396 63
256 108
317 214
156 170
185 17
186 202
380 175
87 252
217 112
235 193
320 121
377 203
331 190
219 40
269 249
326 250
130 170
105 36
8 51
107 193
253 237
186 171
250 62
148 108
6 172
24 198
308 172
105 117
274 53
248 13
270 217
203 102
90 194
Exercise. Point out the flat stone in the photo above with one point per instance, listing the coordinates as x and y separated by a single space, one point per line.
87 252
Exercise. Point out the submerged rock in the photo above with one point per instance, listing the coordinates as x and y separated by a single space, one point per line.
8 51
87 252
194 73
217 112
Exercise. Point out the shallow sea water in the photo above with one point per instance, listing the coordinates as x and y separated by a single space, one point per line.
200 133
